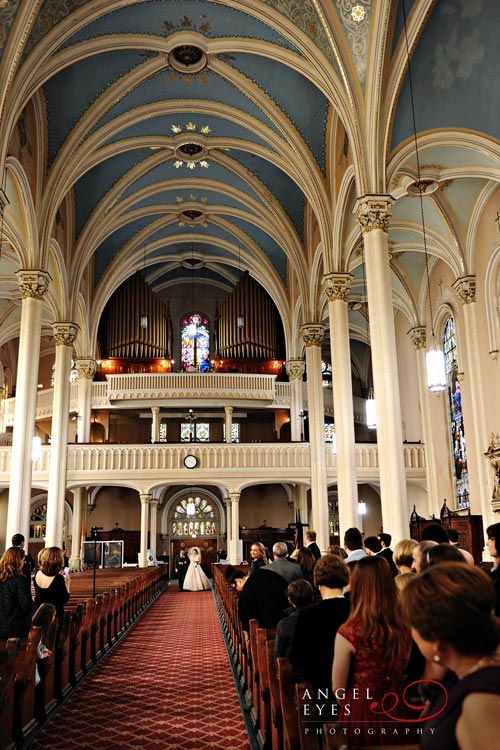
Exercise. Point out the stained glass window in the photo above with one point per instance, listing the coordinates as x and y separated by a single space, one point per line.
235 432
457 430
73 374
163 432
198 432
329 432
194 516
195 343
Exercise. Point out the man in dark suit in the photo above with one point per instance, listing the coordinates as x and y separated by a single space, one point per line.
386 551
282 565
310 542
29 564
181 564
262 596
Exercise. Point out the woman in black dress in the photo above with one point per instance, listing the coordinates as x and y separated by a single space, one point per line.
16 604
51 585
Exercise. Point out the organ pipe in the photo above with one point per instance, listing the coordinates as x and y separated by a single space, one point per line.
259 338
124 334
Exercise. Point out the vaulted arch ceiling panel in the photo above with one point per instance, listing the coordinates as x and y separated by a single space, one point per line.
161 125
408 210
448 157
280 185
95 183
304 104
177 198
71 92
163 18
399 28
268 246
114 242
462 196
454 72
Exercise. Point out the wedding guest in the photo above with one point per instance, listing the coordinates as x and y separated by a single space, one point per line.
420 561
51 585
305 558
262 596
450 610
371 651
16 604
403 555
311 544
300 595
258 555
493 544
18 540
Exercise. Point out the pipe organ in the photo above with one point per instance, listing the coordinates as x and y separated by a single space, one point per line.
259 337
137 323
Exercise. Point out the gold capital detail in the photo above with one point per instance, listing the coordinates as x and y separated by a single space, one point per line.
295 369
418 336
337 286
86 368
32 282
234 497
465 287
64 333
313 334
145 499
374 212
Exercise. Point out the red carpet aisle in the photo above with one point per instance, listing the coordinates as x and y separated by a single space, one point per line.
168 684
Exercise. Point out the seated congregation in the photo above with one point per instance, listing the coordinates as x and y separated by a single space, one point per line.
383 647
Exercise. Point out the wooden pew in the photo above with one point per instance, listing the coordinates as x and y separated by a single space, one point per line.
264 733
8 654
62 684
274 698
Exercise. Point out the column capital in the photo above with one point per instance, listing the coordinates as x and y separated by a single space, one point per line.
374 212
337 286
145 498
465 288
65 333
33 282
154 501
418 336
234 497
312 333
228 409
155 409
295 369
86 368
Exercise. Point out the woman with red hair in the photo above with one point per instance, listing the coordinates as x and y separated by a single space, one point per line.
372 649
16 604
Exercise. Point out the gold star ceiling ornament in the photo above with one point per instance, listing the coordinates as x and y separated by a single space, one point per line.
191 152
358 13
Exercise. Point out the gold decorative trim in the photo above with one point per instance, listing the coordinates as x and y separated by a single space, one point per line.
337 286
33 282
418 336
86 368
313 334
295 369
374 212
65 333
465 288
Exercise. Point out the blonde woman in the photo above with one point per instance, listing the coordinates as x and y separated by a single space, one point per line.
258 554
51 585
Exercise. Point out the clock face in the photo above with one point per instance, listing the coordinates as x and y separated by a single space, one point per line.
190 462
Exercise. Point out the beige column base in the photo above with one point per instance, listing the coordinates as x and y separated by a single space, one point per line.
75 563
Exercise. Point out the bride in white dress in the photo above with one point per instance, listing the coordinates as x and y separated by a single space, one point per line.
195 579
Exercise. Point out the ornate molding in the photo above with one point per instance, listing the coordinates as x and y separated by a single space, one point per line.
465 288
234 497
374 212
86 368
65 333
418 336
295 369
313 334
493 454
33 282
337 286
145 498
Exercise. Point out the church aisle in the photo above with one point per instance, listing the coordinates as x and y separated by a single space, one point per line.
167 684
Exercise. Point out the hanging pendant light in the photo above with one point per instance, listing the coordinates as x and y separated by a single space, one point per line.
371 411
143 318
434 358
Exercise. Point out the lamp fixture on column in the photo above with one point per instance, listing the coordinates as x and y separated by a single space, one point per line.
240 320
434 358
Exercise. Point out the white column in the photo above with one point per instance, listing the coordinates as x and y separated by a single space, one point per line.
86 369
64 336
313 338
300 502
143 552
228 423
227 503
295 369
33 285
79 498
419 340
373 214
155 428
235 528
337 288
153 504
465 288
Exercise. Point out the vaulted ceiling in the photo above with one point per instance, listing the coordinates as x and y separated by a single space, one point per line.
238 135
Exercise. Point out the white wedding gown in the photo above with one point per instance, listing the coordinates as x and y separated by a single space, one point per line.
195 579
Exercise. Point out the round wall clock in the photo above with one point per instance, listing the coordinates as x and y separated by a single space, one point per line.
190 462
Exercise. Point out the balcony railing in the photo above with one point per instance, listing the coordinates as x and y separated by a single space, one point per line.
106 463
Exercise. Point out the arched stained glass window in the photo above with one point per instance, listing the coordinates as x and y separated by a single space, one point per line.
194 516
457 430
195 343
